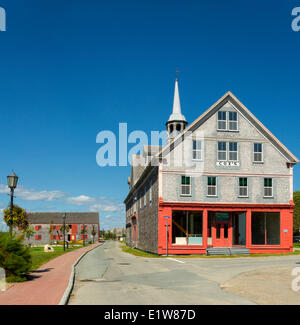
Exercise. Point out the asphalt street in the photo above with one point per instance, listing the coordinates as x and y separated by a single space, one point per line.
108 276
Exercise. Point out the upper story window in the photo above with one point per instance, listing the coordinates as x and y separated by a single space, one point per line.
268 187
185 185
145 197
227 151
258 153
141 200
233 151
197 149
233 123
222 153
222 124
243 186
227 121
211 186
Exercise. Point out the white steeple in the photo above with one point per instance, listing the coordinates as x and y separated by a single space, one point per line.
176 114
176 122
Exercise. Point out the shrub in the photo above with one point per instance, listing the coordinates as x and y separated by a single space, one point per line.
15 258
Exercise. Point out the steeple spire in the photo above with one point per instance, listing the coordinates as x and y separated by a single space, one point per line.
176 122
176 113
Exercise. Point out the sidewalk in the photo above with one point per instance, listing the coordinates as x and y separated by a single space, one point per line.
47 284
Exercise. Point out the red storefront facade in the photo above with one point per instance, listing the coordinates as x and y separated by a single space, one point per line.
216 232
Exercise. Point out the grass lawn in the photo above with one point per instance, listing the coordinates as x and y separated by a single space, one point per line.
138 252
39 257
296 245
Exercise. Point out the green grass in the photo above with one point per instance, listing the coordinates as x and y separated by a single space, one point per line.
296 245
137 252
39 257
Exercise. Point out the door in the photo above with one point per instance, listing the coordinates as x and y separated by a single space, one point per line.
221 235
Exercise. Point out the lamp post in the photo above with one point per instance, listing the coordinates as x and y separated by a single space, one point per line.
64 227
12 180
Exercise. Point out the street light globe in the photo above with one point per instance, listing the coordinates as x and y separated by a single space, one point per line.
12 180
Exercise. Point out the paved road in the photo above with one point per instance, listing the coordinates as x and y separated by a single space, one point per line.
107 276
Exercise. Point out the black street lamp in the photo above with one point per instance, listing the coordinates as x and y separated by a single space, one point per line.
64 228
12 180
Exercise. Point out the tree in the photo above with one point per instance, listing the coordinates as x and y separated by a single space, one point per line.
83 232
20 218
296 219
28 233
15 258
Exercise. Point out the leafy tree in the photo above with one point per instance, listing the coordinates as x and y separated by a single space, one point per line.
296 219
28 233
15 258
63 228
20 218
83 232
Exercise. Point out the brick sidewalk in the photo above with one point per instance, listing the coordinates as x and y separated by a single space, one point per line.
47 284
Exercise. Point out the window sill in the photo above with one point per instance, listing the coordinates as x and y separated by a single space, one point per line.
268 197
236 131
186 195
243 197
212 195
257 162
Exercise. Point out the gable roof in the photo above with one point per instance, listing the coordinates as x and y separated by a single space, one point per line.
56 217
229 97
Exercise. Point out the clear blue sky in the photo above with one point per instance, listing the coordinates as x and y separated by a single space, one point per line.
70 69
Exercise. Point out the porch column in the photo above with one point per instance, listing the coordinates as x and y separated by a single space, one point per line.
204 231
248 228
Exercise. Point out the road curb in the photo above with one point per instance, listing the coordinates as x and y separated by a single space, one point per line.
65 298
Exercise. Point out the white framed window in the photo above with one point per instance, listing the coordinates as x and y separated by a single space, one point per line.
197 150
232 121
222 121
243 187
185 185
268 187
222 152
257 152
150 193
233 151
211 186
145 197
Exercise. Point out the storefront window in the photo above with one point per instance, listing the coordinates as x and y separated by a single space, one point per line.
265 227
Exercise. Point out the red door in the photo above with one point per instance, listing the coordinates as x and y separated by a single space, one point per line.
221 236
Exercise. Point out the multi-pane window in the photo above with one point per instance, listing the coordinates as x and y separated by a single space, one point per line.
233 153
243 186
227 121
233 123
197 149
268 187
258 154
185 185
222 150
211 186
222 125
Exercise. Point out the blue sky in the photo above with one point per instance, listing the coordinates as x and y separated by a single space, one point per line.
70 69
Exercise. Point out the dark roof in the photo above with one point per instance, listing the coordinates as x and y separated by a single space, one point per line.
57 217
